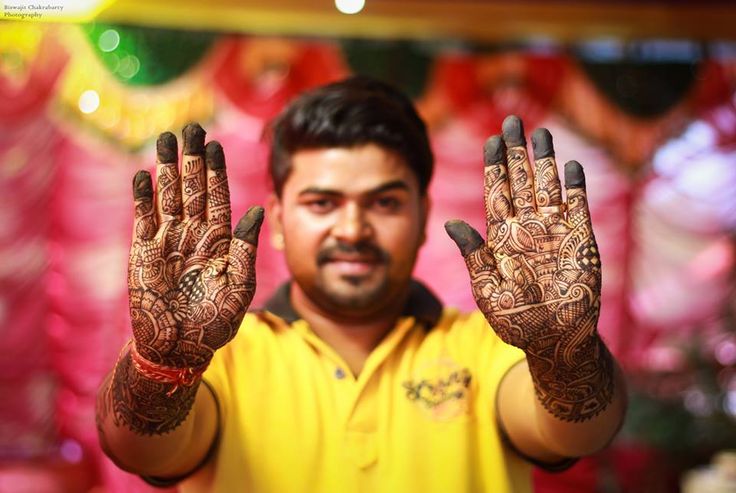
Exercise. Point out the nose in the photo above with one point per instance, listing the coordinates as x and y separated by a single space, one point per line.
351 225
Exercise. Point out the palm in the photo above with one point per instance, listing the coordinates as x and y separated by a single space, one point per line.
538 273
189 281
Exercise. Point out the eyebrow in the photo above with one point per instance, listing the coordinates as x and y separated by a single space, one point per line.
391 185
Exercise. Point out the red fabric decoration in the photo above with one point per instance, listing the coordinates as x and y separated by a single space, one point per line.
259 76
486 89
20 100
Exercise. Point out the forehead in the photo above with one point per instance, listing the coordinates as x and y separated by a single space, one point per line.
348 170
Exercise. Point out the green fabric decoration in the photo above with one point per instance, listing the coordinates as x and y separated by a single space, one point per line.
143 56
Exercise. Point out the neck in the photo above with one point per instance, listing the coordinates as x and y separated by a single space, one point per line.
353 338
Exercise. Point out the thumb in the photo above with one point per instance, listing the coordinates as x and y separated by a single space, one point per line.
242 255
465 237
249 226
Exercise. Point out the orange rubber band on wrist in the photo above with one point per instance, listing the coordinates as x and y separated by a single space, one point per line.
166 374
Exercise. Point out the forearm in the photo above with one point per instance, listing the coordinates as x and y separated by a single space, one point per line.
145 431
547 434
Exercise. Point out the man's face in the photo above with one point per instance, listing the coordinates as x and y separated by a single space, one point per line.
352 221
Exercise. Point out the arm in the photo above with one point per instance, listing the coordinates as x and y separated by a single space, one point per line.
190 282
537 279
539 434
124 426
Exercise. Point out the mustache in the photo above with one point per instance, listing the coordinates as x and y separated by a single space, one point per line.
363 249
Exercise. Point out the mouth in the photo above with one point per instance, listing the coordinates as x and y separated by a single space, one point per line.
352 266
352 261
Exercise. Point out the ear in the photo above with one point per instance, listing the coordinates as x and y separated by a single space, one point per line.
275 223
425 206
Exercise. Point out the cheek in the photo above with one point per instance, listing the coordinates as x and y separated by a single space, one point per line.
303 233
399 236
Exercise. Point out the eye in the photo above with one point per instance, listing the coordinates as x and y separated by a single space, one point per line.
321 205
387 203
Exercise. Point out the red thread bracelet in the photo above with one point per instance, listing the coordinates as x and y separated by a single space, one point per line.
166 374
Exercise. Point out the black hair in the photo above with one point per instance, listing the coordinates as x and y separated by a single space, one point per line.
355 111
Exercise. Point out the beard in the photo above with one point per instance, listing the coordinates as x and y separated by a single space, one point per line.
370 290
353 290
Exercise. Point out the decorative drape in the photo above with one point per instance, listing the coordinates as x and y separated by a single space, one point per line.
662 192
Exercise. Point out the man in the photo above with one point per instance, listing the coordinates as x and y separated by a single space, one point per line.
354 377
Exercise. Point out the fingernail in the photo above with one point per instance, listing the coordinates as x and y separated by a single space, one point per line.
574 175
193 139
513 131
465 237
214 156
542 144
494 151
142 186
167 148
250 225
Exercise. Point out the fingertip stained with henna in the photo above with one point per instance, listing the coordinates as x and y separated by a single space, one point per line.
513 131
167 148
194 136
250 225
465 237
142 186
494 151
542 144
574 175
214 155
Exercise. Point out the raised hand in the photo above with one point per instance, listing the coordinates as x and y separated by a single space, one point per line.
190 282
537 277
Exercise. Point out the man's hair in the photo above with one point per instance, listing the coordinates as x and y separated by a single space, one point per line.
355 111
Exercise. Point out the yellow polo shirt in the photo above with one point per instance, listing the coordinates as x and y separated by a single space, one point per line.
420 417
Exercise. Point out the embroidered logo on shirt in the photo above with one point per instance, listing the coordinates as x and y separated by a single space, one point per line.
441 389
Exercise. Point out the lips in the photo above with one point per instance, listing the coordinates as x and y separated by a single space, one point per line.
351 258
352 266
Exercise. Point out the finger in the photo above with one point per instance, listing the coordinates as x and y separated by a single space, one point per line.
547 189
249 226
520 170
168 185
144 223
479 261
193 174
465 236
496 186
218 192
242 255
577 199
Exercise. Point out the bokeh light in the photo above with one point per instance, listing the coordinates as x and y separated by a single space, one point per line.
349 6
89 101
129 66
109 40
71 451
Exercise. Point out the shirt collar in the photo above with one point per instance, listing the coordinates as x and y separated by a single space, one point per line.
421 304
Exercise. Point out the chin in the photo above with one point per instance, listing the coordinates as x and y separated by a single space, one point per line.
359 298
355 293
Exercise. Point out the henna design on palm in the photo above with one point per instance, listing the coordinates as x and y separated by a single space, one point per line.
537 278
190 281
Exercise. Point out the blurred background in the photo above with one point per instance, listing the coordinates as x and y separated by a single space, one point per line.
643 94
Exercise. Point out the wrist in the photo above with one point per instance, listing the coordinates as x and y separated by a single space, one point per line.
573 383
174 378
